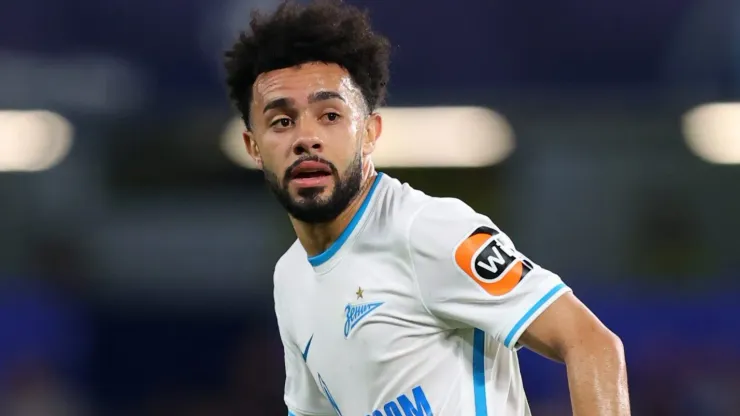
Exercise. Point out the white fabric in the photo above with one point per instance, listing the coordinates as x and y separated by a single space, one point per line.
408 314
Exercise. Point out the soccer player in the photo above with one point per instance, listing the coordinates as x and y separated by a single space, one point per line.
392 302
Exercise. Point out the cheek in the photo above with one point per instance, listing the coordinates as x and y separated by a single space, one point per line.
273 164
340 140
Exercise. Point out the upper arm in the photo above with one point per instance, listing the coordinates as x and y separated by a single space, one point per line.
566 326
471 275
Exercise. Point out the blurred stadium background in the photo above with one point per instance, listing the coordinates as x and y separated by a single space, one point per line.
136 247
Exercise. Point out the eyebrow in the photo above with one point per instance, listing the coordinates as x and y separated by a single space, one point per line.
325 95
313 98
278 103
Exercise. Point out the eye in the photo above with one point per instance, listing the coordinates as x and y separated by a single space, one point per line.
332 117
283 122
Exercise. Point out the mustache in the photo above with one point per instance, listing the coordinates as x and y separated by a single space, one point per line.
289 170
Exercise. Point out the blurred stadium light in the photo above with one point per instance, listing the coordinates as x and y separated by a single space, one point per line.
233 146
712 132
33 141
420 137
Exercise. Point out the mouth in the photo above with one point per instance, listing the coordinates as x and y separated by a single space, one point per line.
311 174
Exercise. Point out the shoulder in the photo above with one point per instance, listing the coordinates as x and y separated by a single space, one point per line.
397 204
290 270
446 210
293 261
443 223
425 222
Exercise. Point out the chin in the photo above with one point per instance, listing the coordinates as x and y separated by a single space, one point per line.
313 193
314 211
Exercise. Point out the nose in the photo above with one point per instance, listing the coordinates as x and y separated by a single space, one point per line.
307 141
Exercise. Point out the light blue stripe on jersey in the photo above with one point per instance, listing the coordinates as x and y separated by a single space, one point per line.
290 413
319 259
530 312
479 372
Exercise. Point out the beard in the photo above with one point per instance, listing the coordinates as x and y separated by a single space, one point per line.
311 207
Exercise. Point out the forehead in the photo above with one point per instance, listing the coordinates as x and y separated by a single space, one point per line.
299 82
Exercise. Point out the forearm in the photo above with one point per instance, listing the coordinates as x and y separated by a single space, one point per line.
597 377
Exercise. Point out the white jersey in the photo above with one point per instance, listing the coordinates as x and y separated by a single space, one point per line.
415 310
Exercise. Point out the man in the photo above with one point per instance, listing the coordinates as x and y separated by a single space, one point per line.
392 302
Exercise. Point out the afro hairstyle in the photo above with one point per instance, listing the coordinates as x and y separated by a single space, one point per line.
326 31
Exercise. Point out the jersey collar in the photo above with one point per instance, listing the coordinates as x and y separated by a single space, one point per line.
327 254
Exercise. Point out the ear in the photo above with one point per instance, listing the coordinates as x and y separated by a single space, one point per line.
373 129
252 148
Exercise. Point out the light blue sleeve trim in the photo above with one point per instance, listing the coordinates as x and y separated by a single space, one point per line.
290 413
536 307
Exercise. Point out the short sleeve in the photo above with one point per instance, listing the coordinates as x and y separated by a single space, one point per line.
302 395
470 275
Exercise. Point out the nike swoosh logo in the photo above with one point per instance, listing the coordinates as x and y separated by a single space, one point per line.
305 350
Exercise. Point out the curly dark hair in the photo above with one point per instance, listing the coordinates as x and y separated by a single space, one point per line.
324 31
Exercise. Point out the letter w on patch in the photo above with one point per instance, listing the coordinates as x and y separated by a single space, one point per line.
356 313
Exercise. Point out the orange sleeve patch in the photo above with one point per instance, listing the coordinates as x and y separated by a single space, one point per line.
493 267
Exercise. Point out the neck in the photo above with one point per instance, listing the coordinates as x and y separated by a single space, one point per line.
316 238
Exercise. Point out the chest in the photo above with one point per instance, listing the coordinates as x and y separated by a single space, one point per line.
360 317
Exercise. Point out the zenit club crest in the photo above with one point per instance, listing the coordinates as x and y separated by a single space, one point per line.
355 313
